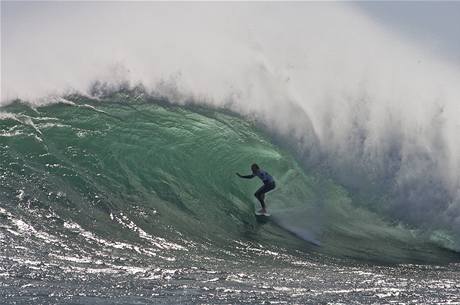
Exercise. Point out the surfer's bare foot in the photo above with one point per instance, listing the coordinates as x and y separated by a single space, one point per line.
262 211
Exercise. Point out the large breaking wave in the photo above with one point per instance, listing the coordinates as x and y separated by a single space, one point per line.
131 167
341 98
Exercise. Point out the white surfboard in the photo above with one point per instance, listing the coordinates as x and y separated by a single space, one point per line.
262 214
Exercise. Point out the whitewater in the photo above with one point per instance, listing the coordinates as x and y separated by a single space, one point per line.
120 140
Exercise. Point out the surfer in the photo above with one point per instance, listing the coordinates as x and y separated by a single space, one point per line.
269 184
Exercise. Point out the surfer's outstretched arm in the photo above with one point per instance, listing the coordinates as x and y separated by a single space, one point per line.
246 177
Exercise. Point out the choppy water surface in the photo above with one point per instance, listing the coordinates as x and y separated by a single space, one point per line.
249 275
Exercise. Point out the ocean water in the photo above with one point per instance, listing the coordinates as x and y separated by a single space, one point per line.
133 199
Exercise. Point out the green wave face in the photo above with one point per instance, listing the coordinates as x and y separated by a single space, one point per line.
169 169
128 169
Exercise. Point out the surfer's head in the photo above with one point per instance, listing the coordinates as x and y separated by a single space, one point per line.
255 168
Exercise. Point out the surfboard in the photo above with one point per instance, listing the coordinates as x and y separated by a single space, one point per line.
262 214
262 218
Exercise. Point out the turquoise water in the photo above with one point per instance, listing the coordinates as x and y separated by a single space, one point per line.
129 198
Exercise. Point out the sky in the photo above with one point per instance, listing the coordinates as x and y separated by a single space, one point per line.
434 24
